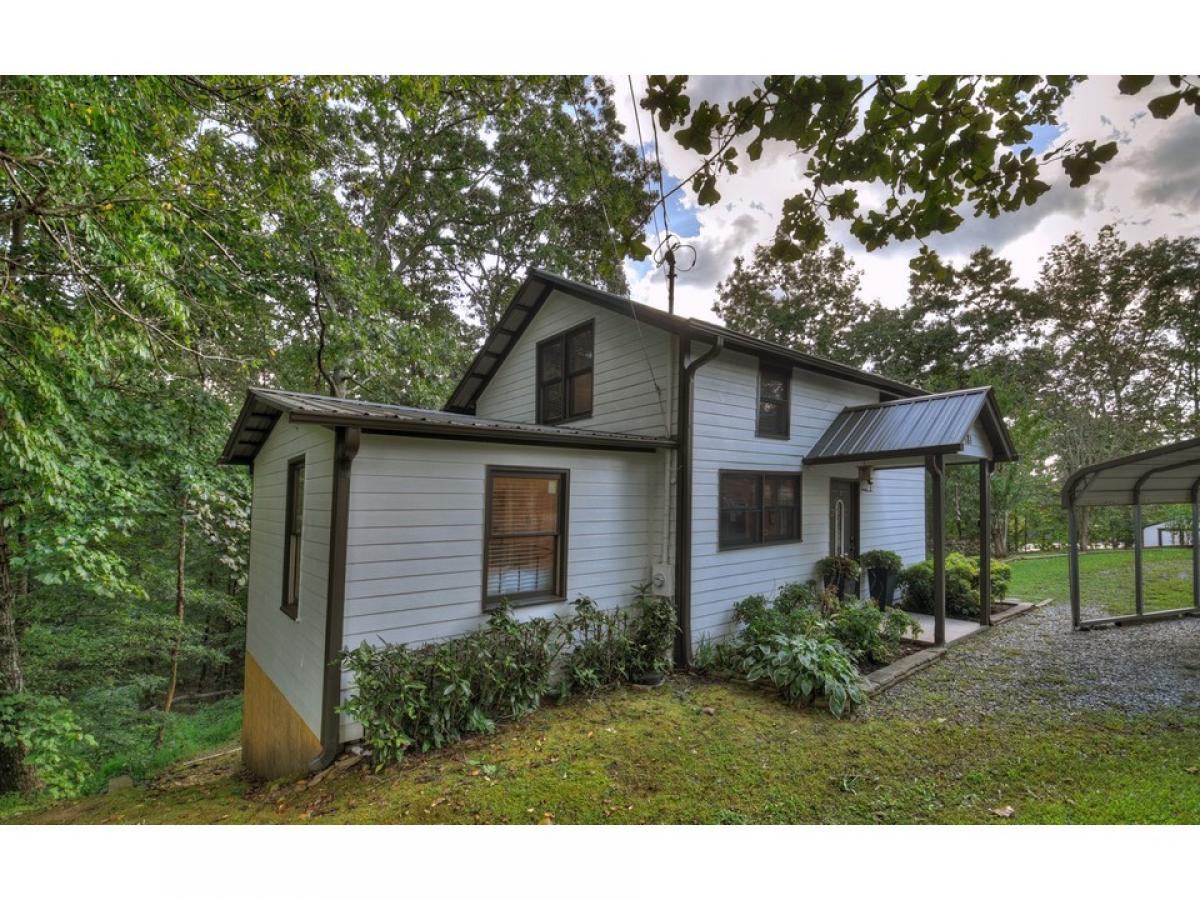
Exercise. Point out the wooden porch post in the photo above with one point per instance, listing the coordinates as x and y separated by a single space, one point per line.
937 475
985 542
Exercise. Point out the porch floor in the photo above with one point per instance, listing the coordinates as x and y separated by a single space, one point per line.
955 629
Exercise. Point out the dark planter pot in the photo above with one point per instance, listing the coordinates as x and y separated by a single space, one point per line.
844 585
649 679
882 584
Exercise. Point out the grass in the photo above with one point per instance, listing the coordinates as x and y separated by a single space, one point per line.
709 752
1106 578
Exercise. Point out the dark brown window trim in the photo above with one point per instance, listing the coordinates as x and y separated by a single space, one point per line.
567 375
761 542
786 371
291 579
533 598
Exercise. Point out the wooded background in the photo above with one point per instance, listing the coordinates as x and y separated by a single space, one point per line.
167 241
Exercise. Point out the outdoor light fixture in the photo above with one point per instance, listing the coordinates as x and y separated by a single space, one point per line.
865 481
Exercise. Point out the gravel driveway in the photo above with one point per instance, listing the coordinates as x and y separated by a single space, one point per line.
1034 664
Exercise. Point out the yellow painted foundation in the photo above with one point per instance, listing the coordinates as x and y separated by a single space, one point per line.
275 740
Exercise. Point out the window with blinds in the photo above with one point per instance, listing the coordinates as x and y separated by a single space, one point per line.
293 534
564 375
525 548
758 508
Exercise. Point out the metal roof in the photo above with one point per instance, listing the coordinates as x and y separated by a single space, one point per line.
263 407
538 285
914 426
1167 474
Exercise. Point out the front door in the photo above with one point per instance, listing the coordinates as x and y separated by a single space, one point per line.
843 517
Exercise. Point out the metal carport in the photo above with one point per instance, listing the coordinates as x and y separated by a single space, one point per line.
1167 474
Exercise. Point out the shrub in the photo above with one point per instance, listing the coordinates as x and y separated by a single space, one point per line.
601 647
49 735
431 695
833 568
652 634
868 633
962 585
803 668
881 559
795 611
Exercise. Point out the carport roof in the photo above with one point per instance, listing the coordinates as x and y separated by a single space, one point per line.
1167 474
263 407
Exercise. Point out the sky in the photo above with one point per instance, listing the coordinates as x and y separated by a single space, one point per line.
1151 189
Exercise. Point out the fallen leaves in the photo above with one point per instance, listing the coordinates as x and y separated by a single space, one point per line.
1004 812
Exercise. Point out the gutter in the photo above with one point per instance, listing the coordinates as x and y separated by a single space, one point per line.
683 502
345 448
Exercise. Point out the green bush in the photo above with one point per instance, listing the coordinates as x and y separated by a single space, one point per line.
601 647
962 585
803 668
831 568
48 733
653 633
435 694
881 559
868 633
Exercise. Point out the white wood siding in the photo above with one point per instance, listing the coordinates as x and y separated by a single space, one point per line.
415 544
291 651
724 411
624 395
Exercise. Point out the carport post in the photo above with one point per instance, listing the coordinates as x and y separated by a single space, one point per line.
1073 558
937 475
1196 544
1138 599
985 542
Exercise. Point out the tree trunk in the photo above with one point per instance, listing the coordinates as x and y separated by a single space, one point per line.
14 774
180 605
1000 537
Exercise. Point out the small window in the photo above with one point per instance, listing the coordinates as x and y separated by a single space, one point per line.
525 547
758 508
564 375
293 532
774 384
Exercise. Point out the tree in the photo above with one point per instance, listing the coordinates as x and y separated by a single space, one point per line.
809 303
936 146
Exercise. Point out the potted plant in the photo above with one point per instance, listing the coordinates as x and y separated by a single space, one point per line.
651 636
883 572
839 573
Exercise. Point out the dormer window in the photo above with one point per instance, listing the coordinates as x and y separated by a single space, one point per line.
774 398
564 375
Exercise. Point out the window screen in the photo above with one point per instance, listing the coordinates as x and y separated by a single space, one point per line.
773 401
758 508
565 366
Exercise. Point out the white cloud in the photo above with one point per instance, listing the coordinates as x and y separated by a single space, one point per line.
1151 189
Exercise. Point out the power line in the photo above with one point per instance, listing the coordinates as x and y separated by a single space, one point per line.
637 119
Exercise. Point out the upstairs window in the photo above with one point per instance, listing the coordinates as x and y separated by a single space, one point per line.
774 398
758 508
293 534
525 545
564 375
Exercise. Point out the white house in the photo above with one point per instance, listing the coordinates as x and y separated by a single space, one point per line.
1165 534
593 444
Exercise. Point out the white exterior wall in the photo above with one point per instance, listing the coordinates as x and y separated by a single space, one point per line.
1152 534
414 564
725 399
624 396
291 651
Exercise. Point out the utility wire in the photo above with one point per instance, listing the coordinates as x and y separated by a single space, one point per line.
646 162
617 253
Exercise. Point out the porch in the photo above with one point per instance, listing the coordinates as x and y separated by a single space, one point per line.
930 432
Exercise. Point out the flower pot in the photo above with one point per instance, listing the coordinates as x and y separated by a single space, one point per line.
882 585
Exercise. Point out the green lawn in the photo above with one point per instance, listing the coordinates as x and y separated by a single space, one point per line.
699 751
1106 578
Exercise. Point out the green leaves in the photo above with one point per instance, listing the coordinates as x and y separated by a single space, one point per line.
1132 84
1164 107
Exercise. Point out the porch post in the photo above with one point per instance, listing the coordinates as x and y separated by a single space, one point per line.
1073 558
1138 597
1196 544
937 475
985 542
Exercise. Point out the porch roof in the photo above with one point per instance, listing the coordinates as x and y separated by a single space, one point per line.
915 427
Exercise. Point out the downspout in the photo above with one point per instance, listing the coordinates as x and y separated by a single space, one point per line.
345 448
683 501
